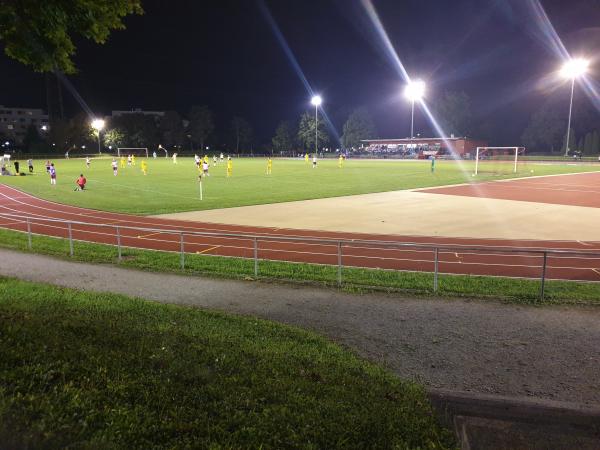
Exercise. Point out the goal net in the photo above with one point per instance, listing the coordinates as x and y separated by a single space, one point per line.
137 151
499 160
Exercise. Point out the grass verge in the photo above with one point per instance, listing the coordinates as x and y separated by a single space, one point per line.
88 370
521 291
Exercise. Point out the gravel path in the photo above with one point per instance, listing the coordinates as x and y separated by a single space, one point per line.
489 347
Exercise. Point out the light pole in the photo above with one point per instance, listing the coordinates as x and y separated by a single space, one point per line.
572 69
316 100
98 125
413 92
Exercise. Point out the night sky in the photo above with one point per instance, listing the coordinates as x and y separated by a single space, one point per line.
224 53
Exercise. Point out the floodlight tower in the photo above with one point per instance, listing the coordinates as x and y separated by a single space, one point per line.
98 125
316 100
414 91
573 69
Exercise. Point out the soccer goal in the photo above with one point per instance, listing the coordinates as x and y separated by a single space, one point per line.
132 151
497 158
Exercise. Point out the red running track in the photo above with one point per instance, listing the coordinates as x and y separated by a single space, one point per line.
457 256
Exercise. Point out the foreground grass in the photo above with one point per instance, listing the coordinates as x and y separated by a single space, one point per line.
521 291
83 370
172 188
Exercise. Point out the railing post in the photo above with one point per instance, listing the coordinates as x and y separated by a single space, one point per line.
28 234
339 255
182 251
255 257
70 239
118 244
543 283
435 269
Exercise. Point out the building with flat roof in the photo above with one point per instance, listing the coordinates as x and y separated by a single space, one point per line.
157 114
15 121
461 147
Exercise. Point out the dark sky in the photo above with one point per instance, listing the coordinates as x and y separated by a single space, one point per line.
225 54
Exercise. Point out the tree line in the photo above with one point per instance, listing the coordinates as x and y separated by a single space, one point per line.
195 132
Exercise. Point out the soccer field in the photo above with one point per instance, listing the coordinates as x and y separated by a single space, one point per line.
174 188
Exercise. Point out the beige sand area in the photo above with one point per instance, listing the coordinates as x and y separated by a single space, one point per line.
412 213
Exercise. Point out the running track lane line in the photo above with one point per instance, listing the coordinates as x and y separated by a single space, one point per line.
275 250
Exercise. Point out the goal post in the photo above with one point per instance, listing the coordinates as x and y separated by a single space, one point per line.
133 150
513 152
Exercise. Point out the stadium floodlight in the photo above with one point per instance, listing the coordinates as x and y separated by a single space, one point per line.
44 127
414 92
571 70
98 125
316 100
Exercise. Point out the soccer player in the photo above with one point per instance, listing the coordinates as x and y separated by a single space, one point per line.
314 166
129 160
205 167
269 165
229 166
30 164
47 166
144 167
52 171
432 163
122 162
16 164
80 183
133 160
154 155
214 160
174 158
306 158
197 161
87 162
341 161
221 157
115 167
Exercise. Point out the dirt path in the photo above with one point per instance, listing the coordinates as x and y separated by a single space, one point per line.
489 347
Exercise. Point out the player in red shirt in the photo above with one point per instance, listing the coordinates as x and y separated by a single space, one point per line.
80 183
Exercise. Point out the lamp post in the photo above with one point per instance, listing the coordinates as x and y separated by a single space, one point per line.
316 100
98 125
413 92
572 69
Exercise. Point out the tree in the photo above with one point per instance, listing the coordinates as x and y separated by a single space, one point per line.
241 132
595 142
359 126
587 143
201 125
284 137
32 141
139 130
114 137
454 113
171 128
545 130
41 34
306 131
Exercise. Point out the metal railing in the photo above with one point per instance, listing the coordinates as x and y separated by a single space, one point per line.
339 244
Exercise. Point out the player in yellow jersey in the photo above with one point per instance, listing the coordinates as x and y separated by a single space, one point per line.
133 159
229 166
123 160
341 161
269 166
144 167
306 158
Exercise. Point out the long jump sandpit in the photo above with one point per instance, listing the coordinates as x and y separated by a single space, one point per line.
433 212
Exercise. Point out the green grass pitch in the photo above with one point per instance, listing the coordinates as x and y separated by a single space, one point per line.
173 188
